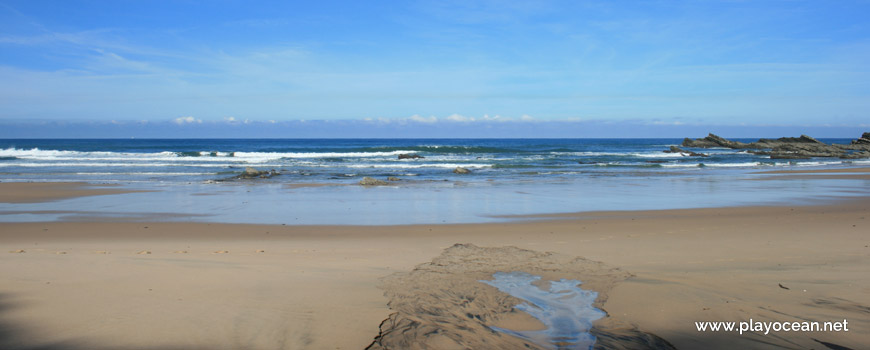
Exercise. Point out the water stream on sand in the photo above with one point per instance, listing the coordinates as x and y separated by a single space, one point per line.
565 309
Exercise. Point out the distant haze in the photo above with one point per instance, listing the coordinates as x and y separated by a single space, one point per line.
411 129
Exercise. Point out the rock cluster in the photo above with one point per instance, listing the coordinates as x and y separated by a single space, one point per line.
864 140
802 147
369 181
410 156
675 149
461 171
253 173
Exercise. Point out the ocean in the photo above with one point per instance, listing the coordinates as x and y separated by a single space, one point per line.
348 160
195 180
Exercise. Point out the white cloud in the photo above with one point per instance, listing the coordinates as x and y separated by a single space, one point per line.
419 119
187 120
230 119
460 118
496 118
660 122
453 118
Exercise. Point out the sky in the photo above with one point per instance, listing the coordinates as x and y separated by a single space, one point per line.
433 68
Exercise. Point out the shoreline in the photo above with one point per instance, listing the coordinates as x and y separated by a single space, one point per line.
265 202
40 192
695 264
818 171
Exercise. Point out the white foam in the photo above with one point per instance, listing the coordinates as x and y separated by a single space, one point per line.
816 163
656 154
144 173
255 157
732 165
588 154
205 156
110 165
714 165
680 165
413 166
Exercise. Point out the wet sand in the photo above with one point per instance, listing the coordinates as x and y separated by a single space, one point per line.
817 174
818 171
117 285
35 192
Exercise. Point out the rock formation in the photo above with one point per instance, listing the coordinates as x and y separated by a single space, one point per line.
253 173
864 140
410 156
461 171
368 181
675 149
802 147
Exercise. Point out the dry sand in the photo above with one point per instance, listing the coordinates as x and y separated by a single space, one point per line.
85 285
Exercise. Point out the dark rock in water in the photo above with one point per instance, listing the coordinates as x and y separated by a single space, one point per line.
805 150
857 155
253 173
410 156
393 178
803 139
777 155
656 161
461 170
675 149
712 141
368 181
802 147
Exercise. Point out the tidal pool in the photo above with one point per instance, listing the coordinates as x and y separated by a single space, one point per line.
565 309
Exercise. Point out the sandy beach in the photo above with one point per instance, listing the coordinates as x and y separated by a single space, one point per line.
159 285
434 175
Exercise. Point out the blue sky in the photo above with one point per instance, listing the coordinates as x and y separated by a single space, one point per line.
537 65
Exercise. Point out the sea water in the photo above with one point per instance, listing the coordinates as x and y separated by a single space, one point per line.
564 309
186 179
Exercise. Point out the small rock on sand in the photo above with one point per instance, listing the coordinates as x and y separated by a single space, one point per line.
144 252
18 251
102 252
180 252
221 251
368 181
260 251
60 253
